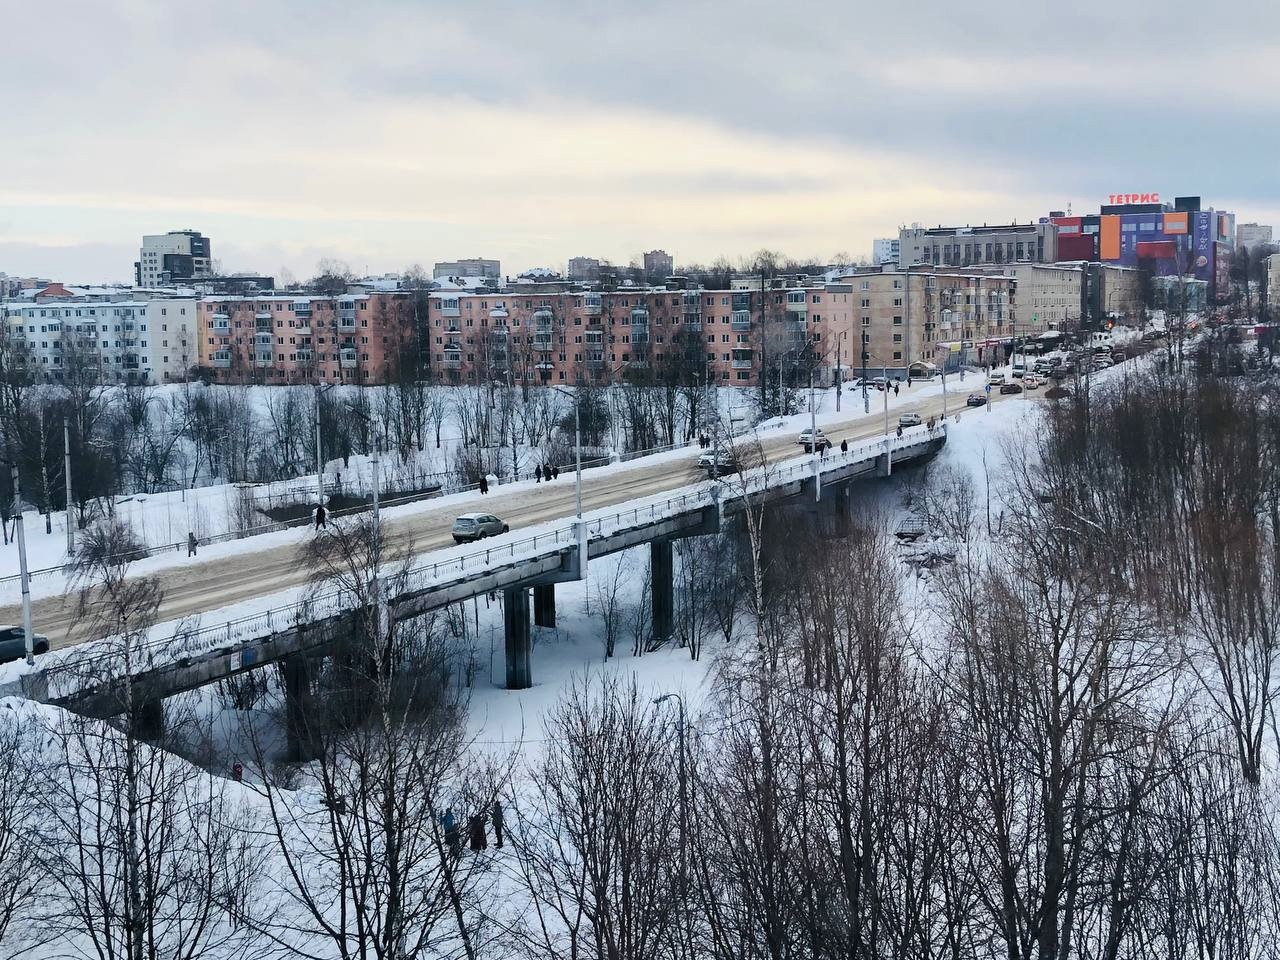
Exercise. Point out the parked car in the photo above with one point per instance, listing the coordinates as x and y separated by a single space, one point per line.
910 420
814 440
880 383
976 400
1011 388
477 526
13 643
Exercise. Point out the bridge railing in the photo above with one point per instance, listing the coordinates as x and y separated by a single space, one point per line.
187 640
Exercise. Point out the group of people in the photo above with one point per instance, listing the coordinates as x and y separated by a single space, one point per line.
704 441
477 834
548 472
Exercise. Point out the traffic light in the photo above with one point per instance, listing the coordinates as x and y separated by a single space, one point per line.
865 356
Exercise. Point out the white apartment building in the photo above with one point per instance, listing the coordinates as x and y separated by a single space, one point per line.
1050 296
173 257
884 250
128 341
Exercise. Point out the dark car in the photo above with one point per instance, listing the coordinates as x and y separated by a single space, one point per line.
13 644
976 400
1011 388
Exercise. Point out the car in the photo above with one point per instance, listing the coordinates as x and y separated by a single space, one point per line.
996 379
477 526
1010 388
718 464
1032 381
814 440
880 383
1018 371
909 420
13 643
1101 363
976 400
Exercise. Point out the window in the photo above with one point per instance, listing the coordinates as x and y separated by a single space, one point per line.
866 304
897 320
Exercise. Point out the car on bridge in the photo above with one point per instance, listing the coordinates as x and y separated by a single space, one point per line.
910 420
813 440
718 464
477 526
13 643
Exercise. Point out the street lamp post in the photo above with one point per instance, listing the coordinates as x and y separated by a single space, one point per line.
319 450
18 508
66 476
577 445
684 809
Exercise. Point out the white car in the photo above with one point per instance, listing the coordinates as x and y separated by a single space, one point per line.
1032 381
996 379
813 440
910 420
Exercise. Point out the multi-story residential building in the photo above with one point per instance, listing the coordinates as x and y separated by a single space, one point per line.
884 251
1251 235
658 264
584 269
172 257
279 338
1050 296
475 267
106 341
978 246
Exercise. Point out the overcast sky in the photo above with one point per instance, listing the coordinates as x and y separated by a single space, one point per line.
391 132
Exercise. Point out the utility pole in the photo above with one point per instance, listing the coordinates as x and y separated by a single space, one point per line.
319 455
66 471
684 816
18 508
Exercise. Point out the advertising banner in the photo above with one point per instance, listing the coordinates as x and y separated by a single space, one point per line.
1202 245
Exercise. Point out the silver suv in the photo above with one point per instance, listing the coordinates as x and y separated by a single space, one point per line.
476 526
13 643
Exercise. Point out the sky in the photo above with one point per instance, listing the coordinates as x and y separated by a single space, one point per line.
392 132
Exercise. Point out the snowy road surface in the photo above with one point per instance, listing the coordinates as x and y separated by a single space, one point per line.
202 586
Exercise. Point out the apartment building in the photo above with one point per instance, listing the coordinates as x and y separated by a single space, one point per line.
277 339
1051 296
110 341
173 257
978 246
473 267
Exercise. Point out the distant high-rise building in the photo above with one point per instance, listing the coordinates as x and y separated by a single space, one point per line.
584 269
1251 234
884 250
173 257
658 263
475 267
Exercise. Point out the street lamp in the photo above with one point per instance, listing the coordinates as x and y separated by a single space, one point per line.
577 443
320 392
18 508
684 806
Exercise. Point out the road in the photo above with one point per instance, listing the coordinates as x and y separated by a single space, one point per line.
193 589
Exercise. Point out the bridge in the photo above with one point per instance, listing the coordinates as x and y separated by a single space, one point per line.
293 629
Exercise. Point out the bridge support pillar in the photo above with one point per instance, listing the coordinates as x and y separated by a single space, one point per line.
301 720
663 589
884 464
148 716
515 619
544 605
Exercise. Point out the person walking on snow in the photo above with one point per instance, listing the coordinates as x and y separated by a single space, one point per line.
537 473
452 837
497 823
484 484
895 388
321 513
844 446
479 841
555 473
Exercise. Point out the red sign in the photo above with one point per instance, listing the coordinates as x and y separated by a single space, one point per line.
1133 198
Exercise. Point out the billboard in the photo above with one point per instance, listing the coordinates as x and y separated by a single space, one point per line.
1202 240
1109 238
1175 224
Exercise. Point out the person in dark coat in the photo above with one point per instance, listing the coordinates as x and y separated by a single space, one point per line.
546 471
844 446
895 388
899 429
479 841
321 513
555 473
452 835
484 484
537 473
497 823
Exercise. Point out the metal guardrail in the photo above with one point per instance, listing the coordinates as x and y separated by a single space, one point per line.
424 573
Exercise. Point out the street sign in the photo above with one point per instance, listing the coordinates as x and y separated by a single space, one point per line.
987 388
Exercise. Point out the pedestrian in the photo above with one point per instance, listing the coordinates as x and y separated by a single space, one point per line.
452 835
237 771
895 388
497 823
899 429
479 841
537 473
555 473
546 472
192 543
844 446
321 513
484 484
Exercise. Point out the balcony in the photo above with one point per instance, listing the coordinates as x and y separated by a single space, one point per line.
741 301
742 360
542 318
263 315
262 326
543 342
498 358
693 321
591 304
263 360
220 323
498 313
452 361
595 360
305 356
302 311
740 320
346 319
347 358
639 318
450 308
221 361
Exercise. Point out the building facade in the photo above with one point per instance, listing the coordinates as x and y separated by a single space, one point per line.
173 257
885 251
658 264
978 246
1176 238
1050 296
278 339
1250 235
475 267
104 341
583 269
